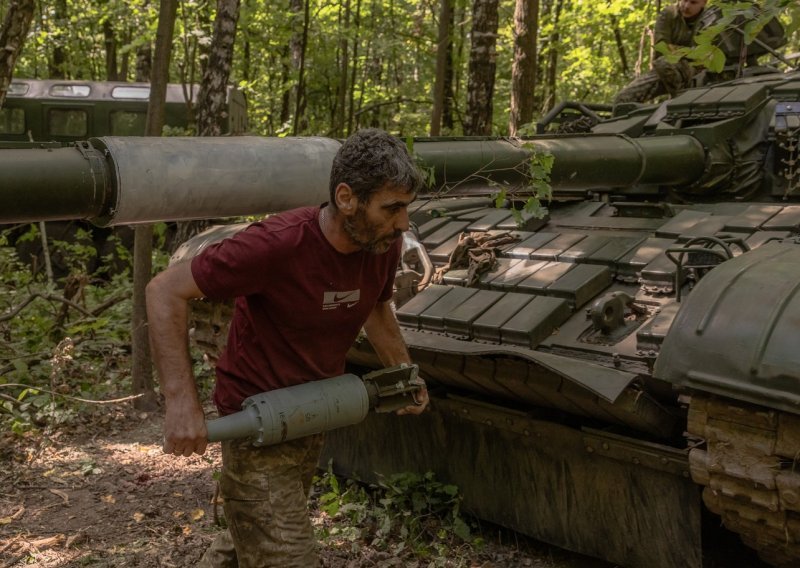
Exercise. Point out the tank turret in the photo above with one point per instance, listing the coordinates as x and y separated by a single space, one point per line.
600 373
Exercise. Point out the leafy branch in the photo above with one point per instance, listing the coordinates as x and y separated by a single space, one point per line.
744 18
407 514
537 183
534 172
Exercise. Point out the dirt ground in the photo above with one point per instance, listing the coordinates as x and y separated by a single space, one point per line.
103 494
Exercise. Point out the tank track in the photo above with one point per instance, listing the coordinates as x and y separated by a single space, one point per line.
748 460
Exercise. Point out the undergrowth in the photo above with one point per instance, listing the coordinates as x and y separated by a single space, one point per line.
64 326
406 515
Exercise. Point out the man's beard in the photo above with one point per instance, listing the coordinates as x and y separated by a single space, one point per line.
365 234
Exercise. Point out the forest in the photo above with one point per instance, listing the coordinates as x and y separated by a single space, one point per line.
84 479
311 67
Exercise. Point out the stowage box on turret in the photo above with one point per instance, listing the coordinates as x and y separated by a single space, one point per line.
603 373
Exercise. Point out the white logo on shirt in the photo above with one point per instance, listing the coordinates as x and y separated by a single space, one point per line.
333 299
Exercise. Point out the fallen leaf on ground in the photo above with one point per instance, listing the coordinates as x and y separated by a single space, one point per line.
13 517
61 494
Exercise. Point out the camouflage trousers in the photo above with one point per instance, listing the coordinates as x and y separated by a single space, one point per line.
663 79
265 492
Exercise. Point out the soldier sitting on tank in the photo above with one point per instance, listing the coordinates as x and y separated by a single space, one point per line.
742 58
676 26
305 282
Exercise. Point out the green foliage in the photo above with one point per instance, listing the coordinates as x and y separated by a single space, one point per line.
64 340
78 34
537 189
406 513
372 63
588 56
177 131
745 17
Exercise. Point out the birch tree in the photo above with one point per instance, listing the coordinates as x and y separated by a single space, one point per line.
482 67
211 112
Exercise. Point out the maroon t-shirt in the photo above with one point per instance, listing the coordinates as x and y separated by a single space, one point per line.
299 303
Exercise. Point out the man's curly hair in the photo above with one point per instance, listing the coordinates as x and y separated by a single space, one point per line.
369 160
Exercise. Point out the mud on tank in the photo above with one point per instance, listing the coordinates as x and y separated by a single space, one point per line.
600 375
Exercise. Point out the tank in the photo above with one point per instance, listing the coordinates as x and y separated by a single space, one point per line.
604 376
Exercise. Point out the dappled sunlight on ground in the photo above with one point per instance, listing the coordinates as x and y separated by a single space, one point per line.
102 493
111 499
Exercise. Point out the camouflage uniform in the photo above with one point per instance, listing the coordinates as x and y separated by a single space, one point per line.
664 77
268 483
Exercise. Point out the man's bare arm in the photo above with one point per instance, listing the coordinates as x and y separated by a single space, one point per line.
167 315
384 334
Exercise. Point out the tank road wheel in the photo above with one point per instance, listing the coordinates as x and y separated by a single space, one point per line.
750 470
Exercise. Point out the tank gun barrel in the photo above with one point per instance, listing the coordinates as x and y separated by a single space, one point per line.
583 161
52 183
126 180
123 180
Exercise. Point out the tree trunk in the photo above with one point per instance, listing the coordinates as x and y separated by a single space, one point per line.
57 67
620 46
110 41
188 67
12 36
211 112
482 64
159 77
523 68
290 62
286 96
124 65
144 62
444 46
552 66
300 122
545 11
340 111
141 366
354 71
449 77
247 59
